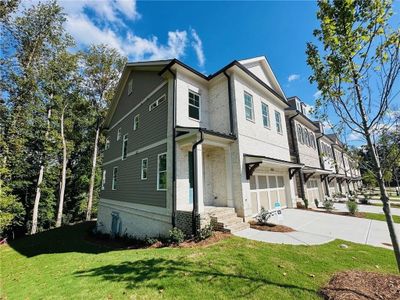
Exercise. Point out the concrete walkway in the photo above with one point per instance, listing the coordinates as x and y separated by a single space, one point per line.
366 208
313 228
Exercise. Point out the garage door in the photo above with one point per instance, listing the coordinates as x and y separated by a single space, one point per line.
265 191
313 190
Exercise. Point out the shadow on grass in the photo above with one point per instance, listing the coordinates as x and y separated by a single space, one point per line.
69 238
157 273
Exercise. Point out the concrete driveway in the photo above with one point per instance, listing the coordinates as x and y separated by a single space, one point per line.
367 208
316 228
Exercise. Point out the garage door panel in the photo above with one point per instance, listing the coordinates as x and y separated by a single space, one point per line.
264 200
254 202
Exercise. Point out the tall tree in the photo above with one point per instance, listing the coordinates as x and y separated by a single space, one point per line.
102 67
357 73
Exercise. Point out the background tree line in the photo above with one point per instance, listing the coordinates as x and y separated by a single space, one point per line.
53 101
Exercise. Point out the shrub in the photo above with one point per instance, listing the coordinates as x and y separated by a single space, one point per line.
263 216
299 205
328 204
205 232
176 236
316 203
305 203
352 206
365 199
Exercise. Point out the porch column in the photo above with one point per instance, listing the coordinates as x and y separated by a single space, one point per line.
229 176
199 180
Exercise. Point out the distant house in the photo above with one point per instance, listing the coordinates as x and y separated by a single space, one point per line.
183 147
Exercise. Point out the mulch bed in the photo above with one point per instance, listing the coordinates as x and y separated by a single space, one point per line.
359 285
270 227
216 237
341 213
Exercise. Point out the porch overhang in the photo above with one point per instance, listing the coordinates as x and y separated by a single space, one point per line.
252 162
188 135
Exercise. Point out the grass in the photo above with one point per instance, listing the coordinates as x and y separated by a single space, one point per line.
381 217
61 264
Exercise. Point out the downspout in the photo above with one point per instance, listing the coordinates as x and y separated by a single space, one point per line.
296 152
195 211
173 151
230 103
322 163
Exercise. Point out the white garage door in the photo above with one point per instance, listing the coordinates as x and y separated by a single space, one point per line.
266 190
312 190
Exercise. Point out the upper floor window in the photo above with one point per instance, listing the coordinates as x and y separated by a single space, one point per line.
143 172
119 134
300 133
305 137
136 122
130 86
162 172
125 146
194 105
278 120
265 114
107 145
248 106
103 180
114 178
157 102
312 141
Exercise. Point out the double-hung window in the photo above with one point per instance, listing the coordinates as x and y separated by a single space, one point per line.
162 172
265 114
300 133
278 120
119 134
144 166
103 180
114 178
136 122
248 107
194 105
124 146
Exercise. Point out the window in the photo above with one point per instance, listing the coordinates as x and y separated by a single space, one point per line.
157 102
305 136
130 86
300 134
265 114
248 107
103 180
125 146
114 178
136 122
143 172
194 105
119 134
311 137
278 122
107 146
162 172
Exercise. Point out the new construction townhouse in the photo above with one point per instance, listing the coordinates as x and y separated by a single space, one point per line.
183 147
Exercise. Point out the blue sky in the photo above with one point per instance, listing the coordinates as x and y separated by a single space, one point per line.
205 35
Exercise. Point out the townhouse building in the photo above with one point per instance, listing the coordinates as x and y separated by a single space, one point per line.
183 148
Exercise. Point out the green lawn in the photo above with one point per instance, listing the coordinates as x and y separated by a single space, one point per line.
381 217
60 264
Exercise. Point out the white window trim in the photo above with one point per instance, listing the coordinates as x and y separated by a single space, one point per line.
124 139
158 171
262 114
130 86
107 145
141 168
136 117
119 134
189 104
280 122
114 178
156 103
103 180
252 106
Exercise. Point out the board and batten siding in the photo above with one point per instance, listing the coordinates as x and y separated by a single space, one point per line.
147 141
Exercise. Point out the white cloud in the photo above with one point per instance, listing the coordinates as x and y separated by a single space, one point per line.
293 77
354 136
128 8
317 94
197 44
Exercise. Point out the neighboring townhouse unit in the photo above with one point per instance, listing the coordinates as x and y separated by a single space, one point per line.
183 148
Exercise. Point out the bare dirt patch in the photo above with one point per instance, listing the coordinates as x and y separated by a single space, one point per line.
270 227
359 285
215 238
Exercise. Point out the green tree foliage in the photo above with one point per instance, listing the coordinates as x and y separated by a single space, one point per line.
356 69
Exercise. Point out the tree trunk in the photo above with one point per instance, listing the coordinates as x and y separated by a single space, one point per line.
63 173
39 181
93 175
